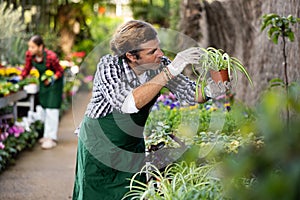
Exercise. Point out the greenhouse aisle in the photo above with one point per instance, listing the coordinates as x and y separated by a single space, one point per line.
47 174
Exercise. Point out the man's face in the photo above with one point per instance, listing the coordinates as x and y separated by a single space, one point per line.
149 56
34 49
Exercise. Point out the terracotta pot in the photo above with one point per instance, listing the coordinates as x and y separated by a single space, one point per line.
221 75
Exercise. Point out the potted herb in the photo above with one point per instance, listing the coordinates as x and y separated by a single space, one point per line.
220 66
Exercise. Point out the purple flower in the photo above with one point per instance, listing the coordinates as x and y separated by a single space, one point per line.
207 107
175 104
167 102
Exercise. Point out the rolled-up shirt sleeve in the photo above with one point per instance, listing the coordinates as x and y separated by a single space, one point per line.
129 104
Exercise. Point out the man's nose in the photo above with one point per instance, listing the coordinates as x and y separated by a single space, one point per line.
160 53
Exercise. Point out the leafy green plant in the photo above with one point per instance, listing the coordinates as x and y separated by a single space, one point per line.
177 181
280 26
217 60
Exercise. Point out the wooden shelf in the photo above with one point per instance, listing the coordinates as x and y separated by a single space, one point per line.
12 98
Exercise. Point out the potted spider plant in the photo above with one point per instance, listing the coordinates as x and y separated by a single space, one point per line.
220 66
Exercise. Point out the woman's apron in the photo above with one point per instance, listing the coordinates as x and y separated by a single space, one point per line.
49 96
110 151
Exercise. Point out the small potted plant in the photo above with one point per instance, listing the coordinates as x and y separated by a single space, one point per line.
220 66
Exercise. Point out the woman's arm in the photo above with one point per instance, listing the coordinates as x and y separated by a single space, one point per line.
53 63
28 65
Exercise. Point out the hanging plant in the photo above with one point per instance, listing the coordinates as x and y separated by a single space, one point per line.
220 66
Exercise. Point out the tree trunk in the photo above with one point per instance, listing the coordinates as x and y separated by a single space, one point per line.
234 26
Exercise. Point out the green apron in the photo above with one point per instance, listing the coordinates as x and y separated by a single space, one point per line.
110 151
49 96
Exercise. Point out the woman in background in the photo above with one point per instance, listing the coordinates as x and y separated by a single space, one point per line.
50 93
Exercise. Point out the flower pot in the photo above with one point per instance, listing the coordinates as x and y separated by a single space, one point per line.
221 75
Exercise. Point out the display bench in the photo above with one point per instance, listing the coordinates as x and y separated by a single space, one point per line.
31 90
11 100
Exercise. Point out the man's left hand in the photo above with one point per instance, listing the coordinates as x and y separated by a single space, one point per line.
213 90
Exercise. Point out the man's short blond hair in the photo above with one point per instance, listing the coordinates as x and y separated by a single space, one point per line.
129 36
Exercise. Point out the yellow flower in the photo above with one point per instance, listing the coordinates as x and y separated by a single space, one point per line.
226 104
34 72
2 72
49 73
234 145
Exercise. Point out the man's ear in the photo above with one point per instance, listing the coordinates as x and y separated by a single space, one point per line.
131 57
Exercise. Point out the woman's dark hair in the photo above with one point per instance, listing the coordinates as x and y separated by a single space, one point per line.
38 40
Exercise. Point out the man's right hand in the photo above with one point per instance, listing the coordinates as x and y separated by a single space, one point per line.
183 58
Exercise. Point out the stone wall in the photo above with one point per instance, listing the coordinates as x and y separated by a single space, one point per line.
234 26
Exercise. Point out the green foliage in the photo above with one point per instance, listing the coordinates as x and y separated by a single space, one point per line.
51 41
10 21
12 29
102 27
155 12
274 169
15 53
279 26
175 14
257 152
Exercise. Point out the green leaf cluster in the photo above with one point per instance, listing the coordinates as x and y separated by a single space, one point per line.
279 26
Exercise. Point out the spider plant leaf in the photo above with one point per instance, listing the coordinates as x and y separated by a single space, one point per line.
241 68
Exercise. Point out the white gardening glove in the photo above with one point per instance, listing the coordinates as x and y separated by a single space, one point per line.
213 90
183 58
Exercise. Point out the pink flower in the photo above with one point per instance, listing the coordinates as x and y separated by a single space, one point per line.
15 130
17 134
172 96
2 146
88 79
161 98
3 136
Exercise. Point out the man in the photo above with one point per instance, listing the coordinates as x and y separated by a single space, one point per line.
111 146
